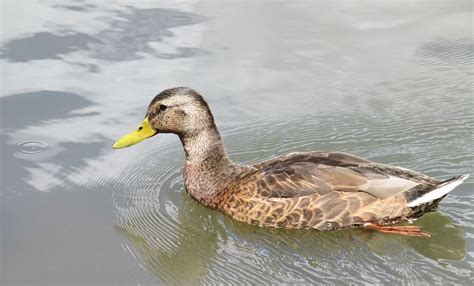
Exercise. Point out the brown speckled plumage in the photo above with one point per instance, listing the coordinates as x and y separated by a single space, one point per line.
316 190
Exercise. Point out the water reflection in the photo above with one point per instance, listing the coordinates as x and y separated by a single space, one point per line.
447 240
33 108
33 168
34 163
78 7
206 248
46 45
384 81
133 32
183 256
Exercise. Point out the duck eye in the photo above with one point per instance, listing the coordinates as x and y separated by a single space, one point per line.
163 107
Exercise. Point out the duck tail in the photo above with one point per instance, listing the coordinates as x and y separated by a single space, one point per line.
439 192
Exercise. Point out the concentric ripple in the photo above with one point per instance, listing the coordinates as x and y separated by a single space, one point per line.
353 93
182 242
30 147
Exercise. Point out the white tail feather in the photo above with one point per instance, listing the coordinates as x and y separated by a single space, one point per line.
438 193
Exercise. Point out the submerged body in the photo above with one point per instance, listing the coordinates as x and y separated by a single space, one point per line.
316 190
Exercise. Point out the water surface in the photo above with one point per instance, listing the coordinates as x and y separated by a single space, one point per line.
389 81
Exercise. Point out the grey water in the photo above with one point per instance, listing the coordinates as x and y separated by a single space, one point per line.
391 81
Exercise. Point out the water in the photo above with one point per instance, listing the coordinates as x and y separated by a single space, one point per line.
388 81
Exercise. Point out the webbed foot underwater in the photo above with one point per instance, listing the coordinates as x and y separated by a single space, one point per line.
312 190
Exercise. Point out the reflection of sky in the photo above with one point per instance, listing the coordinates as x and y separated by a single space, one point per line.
85 96
131 34
33 109
280 77
74 78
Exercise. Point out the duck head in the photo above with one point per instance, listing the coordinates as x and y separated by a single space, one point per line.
179 110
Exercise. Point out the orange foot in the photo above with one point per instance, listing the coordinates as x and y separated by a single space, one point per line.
411 230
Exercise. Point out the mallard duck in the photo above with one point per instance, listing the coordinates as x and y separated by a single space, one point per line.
311 190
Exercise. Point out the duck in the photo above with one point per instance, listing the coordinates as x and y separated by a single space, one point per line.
303 190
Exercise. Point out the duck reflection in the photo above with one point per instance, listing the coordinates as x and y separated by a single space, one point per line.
194 250
446 241
178 252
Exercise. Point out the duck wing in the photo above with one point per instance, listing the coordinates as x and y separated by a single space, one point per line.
319 173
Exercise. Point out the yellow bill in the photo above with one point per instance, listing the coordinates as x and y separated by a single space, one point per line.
143 132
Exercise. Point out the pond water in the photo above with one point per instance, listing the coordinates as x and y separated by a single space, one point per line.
390 81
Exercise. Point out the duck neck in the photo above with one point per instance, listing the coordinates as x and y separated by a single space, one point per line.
208 169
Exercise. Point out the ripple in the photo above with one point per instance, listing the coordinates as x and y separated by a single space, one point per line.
182 242
31 147
447 51
418 120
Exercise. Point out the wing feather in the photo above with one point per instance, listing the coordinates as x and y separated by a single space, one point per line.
317 173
